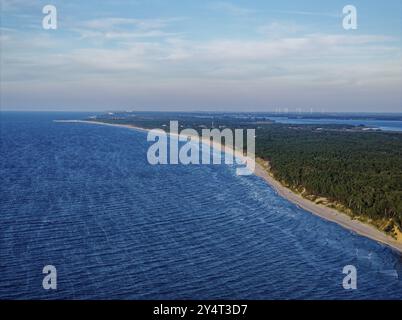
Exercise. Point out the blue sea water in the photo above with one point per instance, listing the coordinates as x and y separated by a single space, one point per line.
84 199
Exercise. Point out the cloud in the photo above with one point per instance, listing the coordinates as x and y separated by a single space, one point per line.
309 13
142 61
296 48
177 58
113 28
12 5
230 8
280 29
118 23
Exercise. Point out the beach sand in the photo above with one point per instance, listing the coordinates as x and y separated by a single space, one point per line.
322 211
329 214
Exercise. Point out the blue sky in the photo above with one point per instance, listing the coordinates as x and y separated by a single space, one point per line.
201 55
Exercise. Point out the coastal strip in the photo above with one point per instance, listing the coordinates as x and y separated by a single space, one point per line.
322 211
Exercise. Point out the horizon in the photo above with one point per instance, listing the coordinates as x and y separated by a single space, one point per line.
217 56
396 113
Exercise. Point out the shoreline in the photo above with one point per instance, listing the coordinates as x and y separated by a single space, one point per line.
324 212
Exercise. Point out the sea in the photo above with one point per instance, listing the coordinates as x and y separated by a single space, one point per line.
84 199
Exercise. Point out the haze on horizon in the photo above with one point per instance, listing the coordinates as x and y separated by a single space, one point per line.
201 56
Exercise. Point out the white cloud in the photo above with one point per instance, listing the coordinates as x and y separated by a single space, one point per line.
280 29
112 23
113 28
179 70
12 5
230 8
175 57
310 13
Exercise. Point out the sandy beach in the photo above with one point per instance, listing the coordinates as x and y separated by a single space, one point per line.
322 211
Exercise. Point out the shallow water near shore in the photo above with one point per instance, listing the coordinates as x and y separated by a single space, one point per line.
84 199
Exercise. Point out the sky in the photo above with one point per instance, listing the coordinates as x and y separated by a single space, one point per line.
189 55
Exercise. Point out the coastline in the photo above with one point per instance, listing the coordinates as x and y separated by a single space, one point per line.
329 214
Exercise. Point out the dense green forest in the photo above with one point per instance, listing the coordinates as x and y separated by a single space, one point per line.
360 170
357 169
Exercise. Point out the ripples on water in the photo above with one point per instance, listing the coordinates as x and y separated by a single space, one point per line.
83 198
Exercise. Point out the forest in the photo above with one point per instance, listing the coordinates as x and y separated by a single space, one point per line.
360 170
